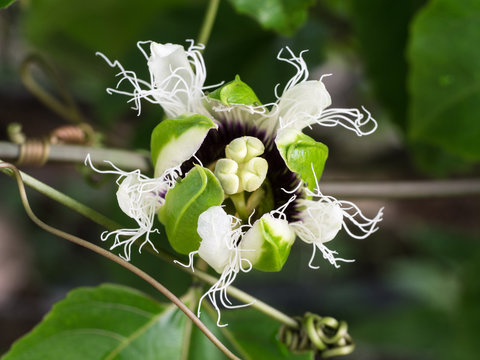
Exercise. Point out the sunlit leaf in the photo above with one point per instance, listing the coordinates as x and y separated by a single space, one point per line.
106 322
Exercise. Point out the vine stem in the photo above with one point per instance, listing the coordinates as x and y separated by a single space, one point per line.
355 189
99 250
208 21
75 153
112 225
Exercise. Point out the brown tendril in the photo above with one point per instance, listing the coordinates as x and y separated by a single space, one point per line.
324 335
36 151
12 170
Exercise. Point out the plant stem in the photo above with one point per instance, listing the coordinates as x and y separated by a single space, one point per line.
246 298
129 160
74 153
208 21
68 110
240 205
64 199
403 189
99 250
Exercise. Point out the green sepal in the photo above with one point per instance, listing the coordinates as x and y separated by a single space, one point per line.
184 203
302 154
235 92
176 140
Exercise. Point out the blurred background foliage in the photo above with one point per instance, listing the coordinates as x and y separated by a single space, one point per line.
413 292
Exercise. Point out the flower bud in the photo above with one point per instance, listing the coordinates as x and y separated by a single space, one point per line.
267 244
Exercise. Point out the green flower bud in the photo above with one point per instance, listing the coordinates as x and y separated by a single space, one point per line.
267 244
236 92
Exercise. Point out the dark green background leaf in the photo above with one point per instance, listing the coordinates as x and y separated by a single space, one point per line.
382 30
5 3
283 16
444 81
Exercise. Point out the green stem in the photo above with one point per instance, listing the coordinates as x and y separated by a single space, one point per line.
129 160
208 22
68 110
240 205
112 225
56 195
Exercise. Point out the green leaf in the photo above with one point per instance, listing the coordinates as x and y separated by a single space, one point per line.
444 82
302 154
184 203
6 3
176 140
234 93
106 322
382 29
283 16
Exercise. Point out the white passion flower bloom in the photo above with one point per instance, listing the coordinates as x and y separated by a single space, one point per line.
246 183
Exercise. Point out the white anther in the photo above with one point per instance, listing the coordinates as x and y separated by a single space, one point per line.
226 173
244 149
253 174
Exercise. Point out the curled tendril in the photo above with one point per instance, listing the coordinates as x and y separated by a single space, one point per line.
324 335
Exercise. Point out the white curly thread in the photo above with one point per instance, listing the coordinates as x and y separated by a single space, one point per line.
364 226
140 198
217 293
299 64
185 95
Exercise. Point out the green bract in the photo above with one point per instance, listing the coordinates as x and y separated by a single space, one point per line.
302 155
235 92
184 203
175 140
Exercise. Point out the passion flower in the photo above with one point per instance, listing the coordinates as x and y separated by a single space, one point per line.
236 181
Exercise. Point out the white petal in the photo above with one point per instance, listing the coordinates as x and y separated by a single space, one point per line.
215 229
320 221
166 60
302 103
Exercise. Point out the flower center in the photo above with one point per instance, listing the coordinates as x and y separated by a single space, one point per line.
250 169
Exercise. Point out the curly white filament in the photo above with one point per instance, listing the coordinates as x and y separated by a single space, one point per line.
139 197
178 88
